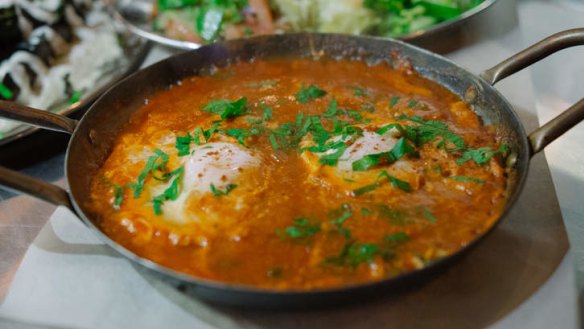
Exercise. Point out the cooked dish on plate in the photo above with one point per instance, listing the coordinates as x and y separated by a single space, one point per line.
54 53
203 21
300 174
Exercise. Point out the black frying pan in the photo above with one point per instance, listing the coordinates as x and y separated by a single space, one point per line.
94 136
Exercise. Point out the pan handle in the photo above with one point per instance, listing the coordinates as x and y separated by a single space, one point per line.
546 134
21 183
17 182
36 117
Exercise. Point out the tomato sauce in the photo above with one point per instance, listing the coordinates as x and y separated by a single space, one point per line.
382 173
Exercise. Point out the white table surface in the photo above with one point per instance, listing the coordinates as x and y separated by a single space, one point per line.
545 90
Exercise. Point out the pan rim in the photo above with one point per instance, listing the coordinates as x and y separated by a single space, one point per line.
523 160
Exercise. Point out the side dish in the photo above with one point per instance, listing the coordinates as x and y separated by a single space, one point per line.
53 52
204 21
301 174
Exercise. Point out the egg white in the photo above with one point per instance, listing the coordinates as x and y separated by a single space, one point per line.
219 164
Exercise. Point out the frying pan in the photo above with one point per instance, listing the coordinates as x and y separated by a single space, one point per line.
94 135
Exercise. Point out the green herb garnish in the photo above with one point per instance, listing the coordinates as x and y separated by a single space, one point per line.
242 134
5 92
307 94
338 218
412 104
333 158
359 91
267 113
75 97
183 144
396 238
219 193
393 101
400 149
302 228
353 254
274 142
428 131
171 193
383 130
403 185
468 179
332 109
118 195
155 163
227 109
480 156
429 215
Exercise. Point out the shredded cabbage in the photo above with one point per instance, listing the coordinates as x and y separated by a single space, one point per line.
378 17
340 16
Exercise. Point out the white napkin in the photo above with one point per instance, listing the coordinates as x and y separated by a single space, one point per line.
68 278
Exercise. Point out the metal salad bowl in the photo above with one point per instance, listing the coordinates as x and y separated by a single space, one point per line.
137 17
93 138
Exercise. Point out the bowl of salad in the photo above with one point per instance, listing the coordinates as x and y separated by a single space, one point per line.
188 24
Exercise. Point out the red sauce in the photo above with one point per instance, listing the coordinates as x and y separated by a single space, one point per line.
280 218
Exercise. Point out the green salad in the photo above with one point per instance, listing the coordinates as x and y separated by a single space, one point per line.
206 21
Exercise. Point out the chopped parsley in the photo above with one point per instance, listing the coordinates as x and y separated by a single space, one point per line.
155 163
483 155
171 193
359 91
332 109
75 97
398 183
353 254
183 143
400 149
393 102
412 104
333 158
267 113
307 94
219 193
302 228
396 238
242 134
428 131
5 92
118 195
429 215
338 218
383 130
341 214
227 109
468 179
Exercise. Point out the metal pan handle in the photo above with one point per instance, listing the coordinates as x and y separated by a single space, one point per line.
547 133
20 183
36 117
